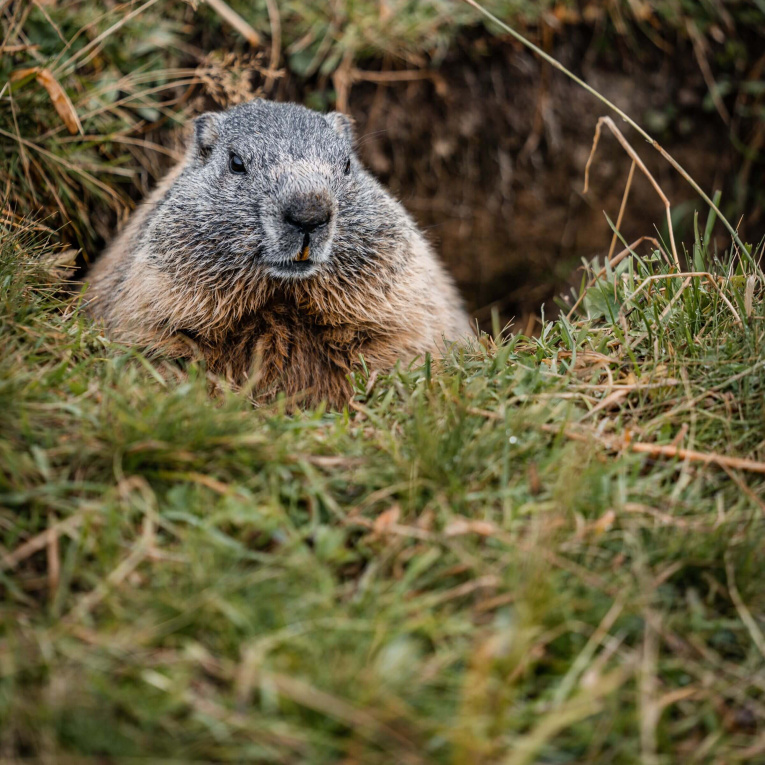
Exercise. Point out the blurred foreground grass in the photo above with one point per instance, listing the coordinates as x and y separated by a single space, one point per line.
469 565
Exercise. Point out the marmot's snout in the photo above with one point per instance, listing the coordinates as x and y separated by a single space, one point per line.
301 230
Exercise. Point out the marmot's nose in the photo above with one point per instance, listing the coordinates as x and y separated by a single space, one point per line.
308 212
307 224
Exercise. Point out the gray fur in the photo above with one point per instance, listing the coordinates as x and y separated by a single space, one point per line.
295 160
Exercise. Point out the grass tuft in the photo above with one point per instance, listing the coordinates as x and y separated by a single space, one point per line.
85 90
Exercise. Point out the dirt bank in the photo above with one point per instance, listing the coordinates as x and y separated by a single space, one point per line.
490 157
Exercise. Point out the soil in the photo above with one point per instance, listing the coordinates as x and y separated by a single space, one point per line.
489 155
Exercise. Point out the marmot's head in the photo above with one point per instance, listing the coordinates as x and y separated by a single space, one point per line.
268 190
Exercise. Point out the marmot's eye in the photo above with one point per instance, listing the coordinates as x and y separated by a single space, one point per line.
347 169
235 165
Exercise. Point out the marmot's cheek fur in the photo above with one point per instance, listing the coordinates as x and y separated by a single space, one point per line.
271 250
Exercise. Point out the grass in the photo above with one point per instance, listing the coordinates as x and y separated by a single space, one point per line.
471 564
122 82
438 574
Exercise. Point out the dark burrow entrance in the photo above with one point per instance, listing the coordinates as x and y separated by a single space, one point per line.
489 151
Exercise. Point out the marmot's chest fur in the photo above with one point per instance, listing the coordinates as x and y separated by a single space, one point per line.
280 256
281 349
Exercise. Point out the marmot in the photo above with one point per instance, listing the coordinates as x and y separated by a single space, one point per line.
273 251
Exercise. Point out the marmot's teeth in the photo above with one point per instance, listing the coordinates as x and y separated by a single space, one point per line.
304 254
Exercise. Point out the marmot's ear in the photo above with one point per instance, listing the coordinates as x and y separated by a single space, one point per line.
341 124
206 129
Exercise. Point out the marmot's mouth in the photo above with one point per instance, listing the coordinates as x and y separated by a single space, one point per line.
299 265
294 268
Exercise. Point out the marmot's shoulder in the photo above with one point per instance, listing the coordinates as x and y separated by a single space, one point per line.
271 233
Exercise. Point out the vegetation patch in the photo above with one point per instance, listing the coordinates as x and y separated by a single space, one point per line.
546 547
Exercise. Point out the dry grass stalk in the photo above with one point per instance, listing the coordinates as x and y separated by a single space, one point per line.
659 450
586 655
700 51
39 542
233 19
622 208
54 557
276 42
687 276
746 616
141 550
68 165
577 709
61 101
629 250
609 123
650 710
79 59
